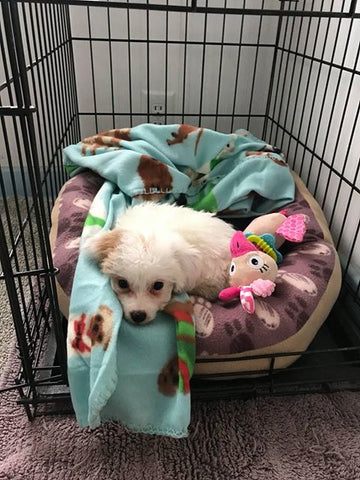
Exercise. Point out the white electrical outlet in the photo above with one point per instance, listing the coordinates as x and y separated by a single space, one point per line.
157 119
157 105
158 108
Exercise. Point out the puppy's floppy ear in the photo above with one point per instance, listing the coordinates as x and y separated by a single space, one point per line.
101 245
189 260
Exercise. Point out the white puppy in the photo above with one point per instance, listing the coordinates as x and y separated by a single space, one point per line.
156 249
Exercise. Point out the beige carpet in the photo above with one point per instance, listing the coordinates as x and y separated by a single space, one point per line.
6 323
313 437
6 326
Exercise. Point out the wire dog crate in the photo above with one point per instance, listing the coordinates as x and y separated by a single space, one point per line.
289 71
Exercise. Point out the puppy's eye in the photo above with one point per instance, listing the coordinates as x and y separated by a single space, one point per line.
123 283
158 286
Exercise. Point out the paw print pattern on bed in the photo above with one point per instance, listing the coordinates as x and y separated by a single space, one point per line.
227 329
301 283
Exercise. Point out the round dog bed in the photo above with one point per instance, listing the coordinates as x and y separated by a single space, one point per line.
307 286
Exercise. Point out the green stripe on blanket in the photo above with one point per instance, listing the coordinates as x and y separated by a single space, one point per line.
141 376
92 220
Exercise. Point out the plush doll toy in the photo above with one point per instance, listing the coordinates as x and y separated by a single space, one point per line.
255 256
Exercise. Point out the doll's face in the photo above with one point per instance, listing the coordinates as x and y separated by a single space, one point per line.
251 266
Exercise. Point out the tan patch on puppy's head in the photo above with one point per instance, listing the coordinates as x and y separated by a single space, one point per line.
102 245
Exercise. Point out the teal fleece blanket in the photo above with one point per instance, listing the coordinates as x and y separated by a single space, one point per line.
140 376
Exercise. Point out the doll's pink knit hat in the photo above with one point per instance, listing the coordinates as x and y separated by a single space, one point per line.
243 243
240 245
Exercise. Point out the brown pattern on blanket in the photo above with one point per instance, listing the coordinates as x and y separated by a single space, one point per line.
168 379
108 139
222 329
156 178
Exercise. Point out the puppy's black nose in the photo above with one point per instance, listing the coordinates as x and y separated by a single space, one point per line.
138 316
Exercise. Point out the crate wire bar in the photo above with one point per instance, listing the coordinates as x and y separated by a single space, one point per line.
286 70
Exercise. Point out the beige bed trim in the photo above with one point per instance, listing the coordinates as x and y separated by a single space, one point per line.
298 342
